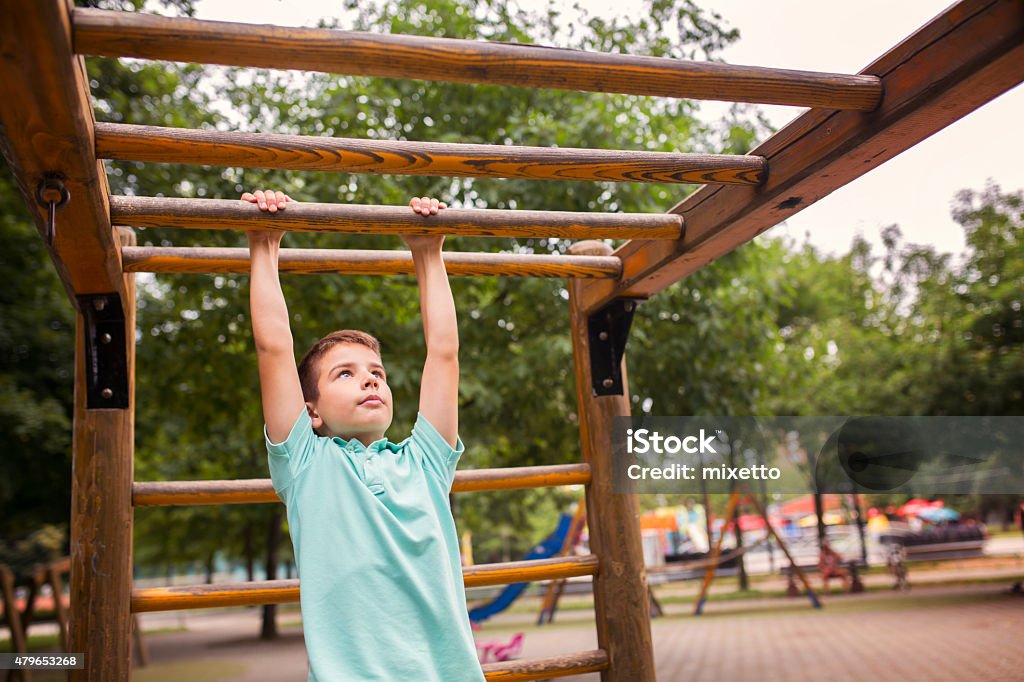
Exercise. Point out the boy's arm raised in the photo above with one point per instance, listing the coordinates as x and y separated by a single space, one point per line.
439 387
279 378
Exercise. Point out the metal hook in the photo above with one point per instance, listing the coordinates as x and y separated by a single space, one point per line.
51 193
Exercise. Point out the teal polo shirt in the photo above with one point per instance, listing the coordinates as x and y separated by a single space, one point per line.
377 555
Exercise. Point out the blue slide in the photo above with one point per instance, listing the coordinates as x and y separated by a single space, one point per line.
551 546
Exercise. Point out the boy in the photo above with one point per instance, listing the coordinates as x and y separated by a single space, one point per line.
375 543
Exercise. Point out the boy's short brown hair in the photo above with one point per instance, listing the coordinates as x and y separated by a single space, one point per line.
309 366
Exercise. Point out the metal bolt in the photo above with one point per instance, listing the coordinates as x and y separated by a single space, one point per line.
628 307
105 338
99 303
607 383
107 393
603 336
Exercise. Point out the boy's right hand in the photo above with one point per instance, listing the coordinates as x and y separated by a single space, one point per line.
271 201
268 200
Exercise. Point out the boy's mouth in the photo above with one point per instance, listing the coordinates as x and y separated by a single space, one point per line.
372 400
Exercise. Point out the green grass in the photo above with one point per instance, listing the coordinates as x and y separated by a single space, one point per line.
1000 533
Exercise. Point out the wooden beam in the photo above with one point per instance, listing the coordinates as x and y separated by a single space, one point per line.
613 518
366 262
233 214
131 34
46 126
257 490
345 155
102 515
546 668
965 57
284 591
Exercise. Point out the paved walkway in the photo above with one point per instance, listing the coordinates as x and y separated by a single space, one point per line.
935 633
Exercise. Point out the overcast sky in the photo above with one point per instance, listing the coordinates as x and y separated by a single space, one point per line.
915 189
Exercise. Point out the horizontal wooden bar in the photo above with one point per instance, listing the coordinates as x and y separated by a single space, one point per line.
182 493
544 668
148 36
511 572
198 260
517 478
967 56
284 591
124 142
234 214
215 595
257 490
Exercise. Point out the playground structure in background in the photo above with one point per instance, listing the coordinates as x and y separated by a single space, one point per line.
968 55
559 543
19 618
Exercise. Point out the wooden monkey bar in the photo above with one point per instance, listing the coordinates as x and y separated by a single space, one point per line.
367 262
285 591
544 668
131 34
246 491
124 142
232 214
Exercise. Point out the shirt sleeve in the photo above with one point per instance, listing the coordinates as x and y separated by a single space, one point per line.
290 458
439 458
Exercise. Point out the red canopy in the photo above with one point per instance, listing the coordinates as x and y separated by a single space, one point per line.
913 507
802 506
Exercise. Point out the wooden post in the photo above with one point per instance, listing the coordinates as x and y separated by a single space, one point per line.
716 552
811 594
19 645
102 516
621 597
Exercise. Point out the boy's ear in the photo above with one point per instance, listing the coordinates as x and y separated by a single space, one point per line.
314 416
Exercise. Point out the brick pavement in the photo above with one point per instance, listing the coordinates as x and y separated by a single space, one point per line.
929 634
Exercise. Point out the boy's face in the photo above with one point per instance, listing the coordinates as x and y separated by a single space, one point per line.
350 374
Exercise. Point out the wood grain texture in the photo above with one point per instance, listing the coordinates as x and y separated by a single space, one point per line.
129 34
234 214
366 262
46 125
545 668
102 516
259 490
283 591
968 55
295 152
613 518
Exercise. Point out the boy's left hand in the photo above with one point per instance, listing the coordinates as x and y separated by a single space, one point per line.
425 206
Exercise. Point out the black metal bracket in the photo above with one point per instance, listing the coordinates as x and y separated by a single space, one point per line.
106 361
608 331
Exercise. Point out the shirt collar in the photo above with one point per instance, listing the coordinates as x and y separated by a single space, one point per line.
375 446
